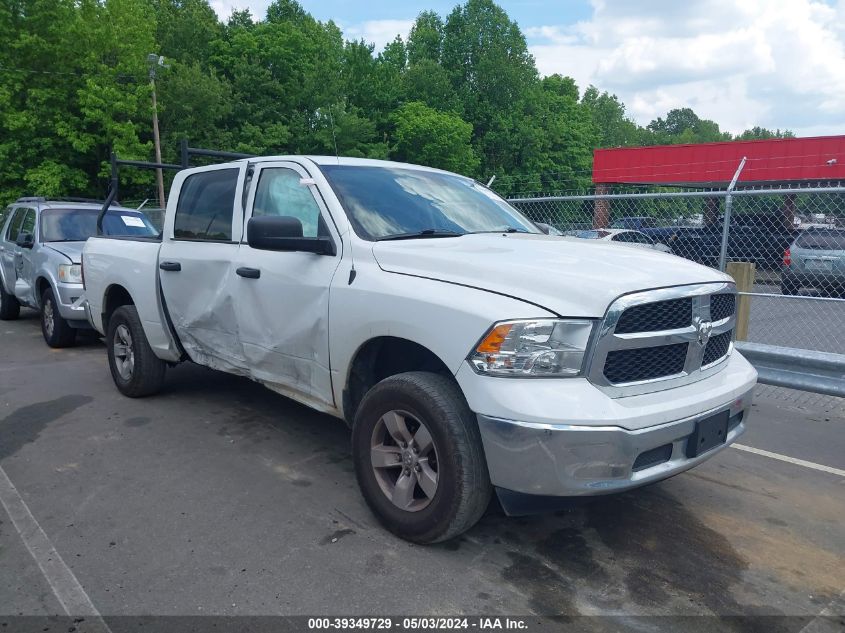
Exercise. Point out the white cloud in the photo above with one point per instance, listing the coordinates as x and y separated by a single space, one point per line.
224 8
378 32
775 63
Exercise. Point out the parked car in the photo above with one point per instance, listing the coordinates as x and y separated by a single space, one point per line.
753 237
469 352
816 259
635 223
624 237
40 247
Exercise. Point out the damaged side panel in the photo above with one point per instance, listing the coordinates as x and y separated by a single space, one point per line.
200 302
283 313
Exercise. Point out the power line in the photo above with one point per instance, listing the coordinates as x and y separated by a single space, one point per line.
77 73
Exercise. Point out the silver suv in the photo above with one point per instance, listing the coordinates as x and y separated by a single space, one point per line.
40 254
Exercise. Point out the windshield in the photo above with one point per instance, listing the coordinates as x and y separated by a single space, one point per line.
77 225
384 202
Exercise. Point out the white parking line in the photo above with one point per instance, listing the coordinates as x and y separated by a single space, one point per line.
790 460
65 586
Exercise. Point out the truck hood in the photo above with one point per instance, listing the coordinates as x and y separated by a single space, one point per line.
71 250
578 278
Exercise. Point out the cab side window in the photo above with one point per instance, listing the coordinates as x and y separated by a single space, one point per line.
205 207
15 225
279 193
28 224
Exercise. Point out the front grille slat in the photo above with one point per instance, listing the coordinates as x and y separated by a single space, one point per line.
717 347
722 306
645 363
653 317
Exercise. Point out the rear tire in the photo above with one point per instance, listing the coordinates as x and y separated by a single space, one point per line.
57 331
419 458
10 309
135 369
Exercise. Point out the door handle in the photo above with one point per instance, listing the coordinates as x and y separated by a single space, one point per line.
171 266
249 273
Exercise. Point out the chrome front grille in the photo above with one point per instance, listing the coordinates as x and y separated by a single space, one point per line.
653 317
645 363
717 347
722 306
658 339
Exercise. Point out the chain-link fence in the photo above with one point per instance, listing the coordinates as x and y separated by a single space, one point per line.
795 238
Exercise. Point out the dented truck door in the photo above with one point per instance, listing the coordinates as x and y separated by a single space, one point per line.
283 296
196 261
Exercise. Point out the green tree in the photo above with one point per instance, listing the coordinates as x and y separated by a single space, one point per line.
185 29
438 139
612 126
760 133
425 41
682 125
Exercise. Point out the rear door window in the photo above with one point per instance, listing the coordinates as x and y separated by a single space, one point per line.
626 238
206 205
822 240
4 215
639 238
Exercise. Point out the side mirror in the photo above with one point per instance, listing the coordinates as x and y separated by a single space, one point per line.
25 240
284 233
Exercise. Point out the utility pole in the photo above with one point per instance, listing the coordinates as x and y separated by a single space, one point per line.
154 60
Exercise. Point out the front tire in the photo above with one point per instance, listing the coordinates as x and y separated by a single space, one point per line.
56 330
10 309
419 458
135 369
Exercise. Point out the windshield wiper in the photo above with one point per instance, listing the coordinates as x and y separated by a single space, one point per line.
425 233
504 229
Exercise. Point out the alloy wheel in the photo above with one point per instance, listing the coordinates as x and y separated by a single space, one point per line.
49 318
124 353
404 460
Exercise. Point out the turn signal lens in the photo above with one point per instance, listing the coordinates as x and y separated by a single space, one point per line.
542 348
70 273
492 343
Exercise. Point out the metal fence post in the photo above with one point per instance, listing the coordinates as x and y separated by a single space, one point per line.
726 225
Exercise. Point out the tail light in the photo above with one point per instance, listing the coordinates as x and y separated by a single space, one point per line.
787 257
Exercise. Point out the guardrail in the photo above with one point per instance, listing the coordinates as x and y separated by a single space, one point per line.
805 370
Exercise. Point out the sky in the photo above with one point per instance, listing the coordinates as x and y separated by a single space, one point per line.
779 64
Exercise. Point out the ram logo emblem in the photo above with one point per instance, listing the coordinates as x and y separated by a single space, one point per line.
704 330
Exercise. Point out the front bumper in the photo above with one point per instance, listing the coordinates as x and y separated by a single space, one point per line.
68 295
568 438
569 460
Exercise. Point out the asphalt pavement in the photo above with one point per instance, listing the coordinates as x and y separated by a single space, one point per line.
218 497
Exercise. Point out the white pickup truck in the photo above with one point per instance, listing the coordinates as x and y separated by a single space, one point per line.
469 352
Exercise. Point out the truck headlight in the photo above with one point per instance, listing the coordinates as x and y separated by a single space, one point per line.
551 348
70 273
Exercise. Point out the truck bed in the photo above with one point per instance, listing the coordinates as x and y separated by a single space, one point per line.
114 266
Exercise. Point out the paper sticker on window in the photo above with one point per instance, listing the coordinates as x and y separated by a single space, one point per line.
131 220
